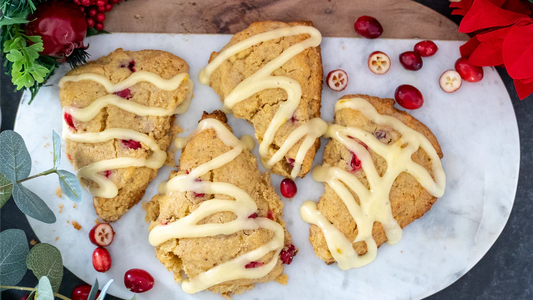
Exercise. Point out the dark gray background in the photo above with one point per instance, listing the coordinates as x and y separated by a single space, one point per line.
504 273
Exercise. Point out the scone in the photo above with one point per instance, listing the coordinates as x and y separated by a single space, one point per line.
218 219
381 171
271 75
118 116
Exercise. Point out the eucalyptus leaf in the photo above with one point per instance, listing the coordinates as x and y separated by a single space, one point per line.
94 291
15 160
45 260
5 193
104 290
57 148
134 297
13 251
44 289
31 205
70 185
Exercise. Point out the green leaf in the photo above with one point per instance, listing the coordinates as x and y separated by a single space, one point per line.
15 160
31 205
134 297
14 55
91 31
30 54
56 140
94 291
104 290
13 251
24 80
35 39
45 260
70 185
37 47
13 20
5 193
44 289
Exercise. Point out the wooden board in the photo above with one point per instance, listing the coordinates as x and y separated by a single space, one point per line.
400 18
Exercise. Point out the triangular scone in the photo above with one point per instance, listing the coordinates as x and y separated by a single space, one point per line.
394 198
118 121
232 76
224 253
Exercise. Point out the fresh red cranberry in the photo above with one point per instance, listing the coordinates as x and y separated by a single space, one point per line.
252 216
270 215
287 254
411 60
337 80
125 93
426 48
102 234
468 71
253 264
288 188
355 163
81 292
70 121
408 97
131 144
368 27
138 280
101 260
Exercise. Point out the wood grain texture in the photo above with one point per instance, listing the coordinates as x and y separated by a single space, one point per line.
400 18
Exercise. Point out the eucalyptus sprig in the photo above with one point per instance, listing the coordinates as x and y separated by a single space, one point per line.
15 168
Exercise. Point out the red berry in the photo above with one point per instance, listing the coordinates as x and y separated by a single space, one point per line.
355 163
92 12
70 121
468 71
337 80
77 2
288 188
100 17
131 144
81 292
368 27
287 254
270 215
82 9
125 93
90 22
411 60
99 26
408 97
100 8
252 216
426 48
108 7
378 62
131 66
450 81
253 264
291 161
138 280
102 234
100 3
85 2
101 260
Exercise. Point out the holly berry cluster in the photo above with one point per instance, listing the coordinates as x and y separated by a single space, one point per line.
95 10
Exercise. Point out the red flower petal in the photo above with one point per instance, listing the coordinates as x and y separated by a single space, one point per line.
489 51
485 14
518 51
523 89
517 6
468 48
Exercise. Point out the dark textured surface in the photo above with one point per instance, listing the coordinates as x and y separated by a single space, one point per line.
504 272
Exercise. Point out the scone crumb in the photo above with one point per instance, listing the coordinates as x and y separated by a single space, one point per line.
46 145
282 279
57 238
96 221
59 192
33 242
76 225
60 208
74 205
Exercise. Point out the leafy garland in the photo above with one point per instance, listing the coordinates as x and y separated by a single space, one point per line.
28 69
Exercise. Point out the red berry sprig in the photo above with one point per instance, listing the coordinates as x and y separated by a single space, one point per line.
95 11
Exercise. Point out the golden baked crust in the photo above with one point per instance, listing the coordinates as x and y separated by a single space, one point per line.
197 255
409 200
118 66
306 68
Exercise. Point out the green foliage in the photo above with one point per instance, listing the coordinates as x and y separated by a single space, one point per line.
70 185
104 290
15 160
56 140
91 31
32 205
44 289
45 260
13 251
5 193
96 287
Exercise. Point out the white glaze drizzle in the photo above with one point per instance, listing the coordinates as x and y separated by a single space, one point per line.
261 80
106 187
243 206
374 202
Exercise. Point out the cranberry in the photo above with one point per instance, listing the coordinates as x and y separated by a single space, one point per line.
378 62
70 121
102 234
450 81
380 134
291 161
426 48
131 144
368 27
69 157
411 60
125 93
355 163
107 173
408 97
288 188
100 2
81 292
252 216
100 8
270 215
253 264
85 2
100 17
138 280
108 7
287 254
99 26
337 80
92 12
131 66
101 260
468 71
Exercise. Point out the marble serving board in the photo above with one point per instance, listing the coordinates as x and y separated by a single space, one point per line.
476 127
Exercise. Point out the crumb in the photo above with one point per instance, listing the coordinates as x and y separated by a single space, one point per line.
57 238
35 161
76 225
343 48
401 251
59 192
138 16
96 221
60 208
51 152
33 242
282 279
46 145
68 221
74 205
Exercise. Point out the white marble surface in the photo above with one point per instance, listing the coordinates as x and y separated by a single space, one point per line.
476 127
